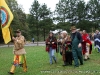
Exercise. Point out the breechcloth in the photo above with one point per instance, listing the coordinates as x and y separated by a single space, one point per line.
19 60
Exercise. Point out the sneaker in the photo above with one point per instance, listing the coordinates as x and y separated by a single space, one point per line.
11 73
85 59
76 66
51 63
88 58
64 65
81 64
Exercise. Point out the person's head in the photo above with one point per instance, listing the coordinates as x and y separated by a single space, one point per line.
64 34
97 31
81 32
73 29
84 31
51 34
18 32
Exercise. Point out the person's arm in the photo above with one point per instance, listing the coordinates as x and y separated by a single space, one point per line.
79 37
47 41
54 41
80 40
21 40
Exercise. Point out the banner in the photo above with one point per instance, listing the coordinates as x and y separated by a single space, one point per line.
6 18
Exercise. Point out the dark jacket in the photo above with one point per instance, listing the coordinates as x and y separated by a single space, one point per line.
51 39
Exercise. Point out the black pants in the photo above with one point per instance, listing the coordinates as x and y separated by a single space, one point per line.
69 57
33 41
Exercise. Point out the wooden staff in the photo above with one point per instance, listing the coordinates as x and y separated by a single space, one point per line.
11 33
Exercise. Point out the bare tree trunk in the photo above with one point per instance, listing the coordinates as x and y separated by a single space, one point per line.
37 35
44 33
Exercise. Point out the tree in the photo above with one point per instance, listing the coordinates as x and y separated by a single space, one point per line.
81 11
61 10
64 26
46 21
93 12
35 13
66 11
40 15
19 21
46 25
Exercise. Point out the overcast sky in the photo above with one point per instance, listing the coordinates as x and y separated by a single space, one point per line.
27 4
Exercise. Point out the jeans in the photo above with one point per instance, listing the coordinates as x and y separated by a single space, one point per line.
51 55
98 50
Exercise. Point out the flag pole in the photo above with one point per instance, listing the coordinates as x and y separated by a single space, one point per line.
11 33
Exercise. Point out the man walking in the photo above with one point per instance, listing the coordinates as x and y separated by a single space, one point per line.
19 52
76 46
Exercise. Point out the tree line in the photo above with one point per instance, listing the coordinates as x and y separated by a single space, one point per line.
41 19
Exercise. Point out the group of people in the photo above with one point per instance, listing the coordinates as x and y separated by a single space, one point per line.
77 46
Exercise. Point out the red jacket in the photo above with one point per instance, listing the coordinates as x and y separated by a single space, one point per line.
86 39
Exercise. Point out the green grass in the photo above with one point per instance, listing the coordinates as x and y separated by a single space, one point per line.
38 63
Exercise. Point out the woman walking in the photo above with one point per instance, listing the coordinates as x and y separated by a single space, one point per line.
51 46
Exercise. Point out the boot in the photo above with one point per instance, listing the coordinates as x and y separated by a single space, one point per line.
65 64
24 67
12 69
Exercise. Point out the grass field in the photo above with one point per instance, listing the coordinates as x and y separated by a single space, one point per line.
38 63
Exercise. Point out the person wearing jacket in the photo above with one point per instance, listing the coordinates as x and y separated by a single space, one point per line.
76 46
86 39
66 48
19 53
51 46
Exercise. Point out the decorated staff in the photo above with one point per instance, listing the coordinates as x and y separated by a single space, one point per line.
19 52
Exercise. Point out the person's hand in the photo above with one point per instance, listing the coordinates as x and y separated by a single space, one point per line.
79 45
14 38
58 40
13 52
52 42
48 42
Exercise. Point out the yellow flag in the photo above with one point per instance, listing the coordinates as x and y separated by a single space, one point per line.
6 17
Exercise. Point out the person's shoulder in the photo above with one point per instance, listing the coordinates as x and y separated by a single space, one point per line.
22 36
78 33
